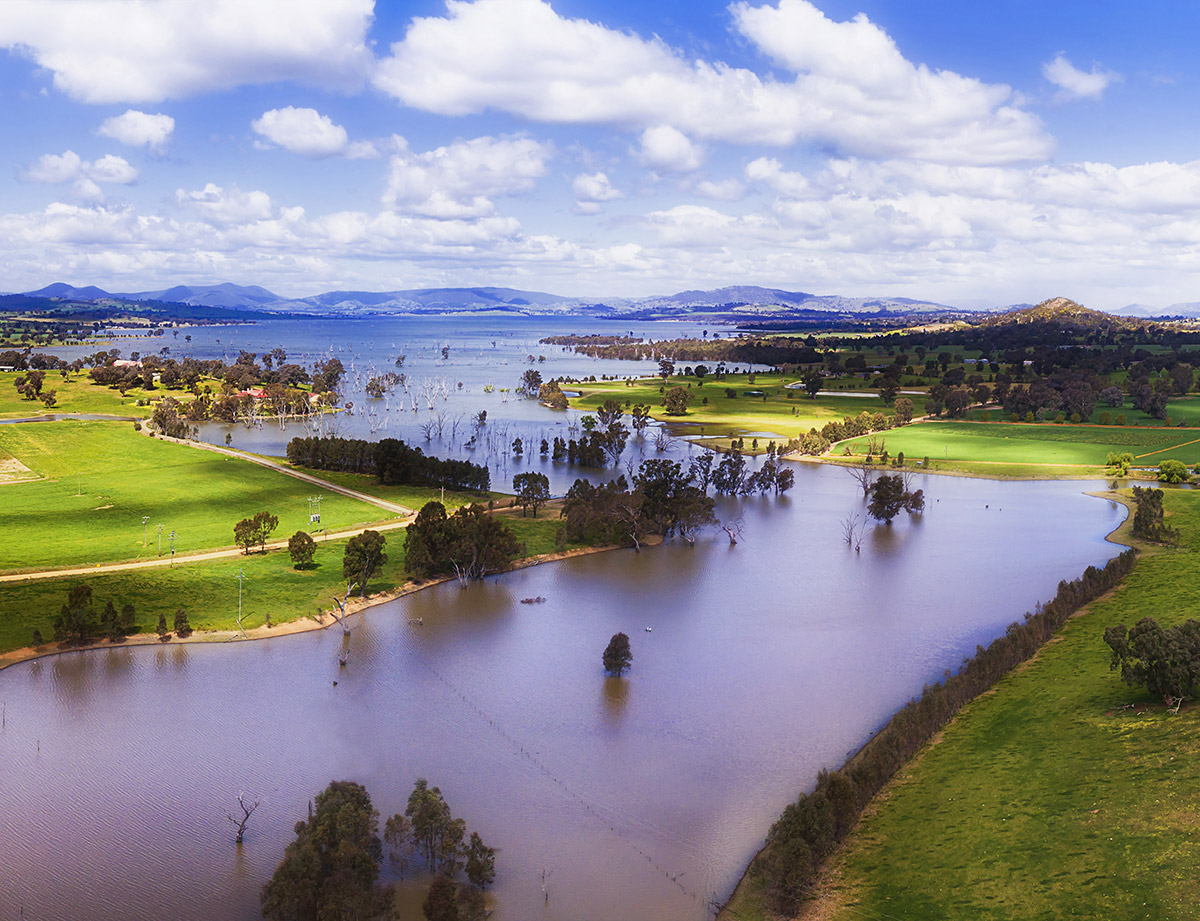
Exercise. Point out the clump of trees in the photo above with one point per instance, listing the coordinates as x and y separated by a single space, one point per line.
390 460
1173 471
1148 523
664 499
811 828
428 832
1166 661
617 655
532 490
331 869
675 401
470 543
889 496
78 623
251 532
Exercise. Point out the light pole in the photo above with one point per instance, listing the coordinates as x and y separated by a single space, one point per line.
159 539
314 517
172 536
145 539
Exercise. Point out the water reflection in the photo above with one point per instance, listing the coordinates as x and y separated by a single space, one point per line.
614 694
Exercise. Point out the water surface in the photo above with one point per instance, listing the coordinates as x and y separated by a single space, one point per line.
643 797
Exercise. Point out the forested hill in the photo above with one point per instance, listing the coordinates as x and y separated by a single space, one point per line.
1065 314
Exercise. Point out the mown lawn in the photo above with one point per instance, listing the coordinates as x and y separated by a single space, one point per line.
208 591
98 480
779 411
1048 799
1035 444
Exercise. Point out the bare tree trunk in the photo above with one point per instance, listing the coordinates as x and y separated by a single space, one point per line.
341 605
241 823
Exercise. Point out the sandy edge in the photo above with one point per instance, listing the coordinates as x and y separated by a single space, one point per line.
304 624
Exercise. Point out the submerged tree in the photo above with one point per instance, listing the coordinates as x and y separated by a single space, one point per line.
331 869
617 656
889 497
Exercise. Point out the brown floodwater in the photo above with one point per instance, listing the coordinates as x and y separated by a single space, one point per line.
640 798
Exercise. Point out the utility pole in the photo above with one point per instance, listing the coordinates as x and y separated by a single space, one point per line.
145 540
79 484
172 539
159 540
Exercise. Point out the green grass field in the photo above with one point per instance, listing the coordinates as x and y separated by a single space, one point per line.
79 395
98 479
410 496
1046 444
1045 799
783 413
208 591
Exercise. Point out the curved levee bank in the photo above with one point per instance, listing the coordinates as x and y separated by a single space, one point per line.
746 903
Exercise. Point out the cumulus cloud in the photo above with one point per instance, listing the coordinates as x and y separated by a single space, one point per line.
851 87
1074 83
667 149
139 129
86 175
226 206
460 179
302 131
592 190
104 51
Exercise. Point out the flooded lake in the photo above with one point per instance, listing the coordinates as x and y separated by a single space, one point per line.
642 798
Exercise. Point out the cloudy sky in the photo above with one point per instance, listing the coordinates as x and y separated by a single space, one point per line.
976 154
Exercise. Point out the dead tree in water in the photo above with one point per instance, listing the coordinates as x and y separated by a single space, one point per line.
241 823
341 604
733 528
863 475
853 527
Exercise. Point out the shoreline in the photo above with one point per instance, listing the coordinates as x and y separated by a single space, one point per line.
818 908
307 623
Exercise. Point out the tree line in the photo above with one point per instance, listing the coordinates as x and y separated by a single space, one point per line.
812 827
79 623
390 460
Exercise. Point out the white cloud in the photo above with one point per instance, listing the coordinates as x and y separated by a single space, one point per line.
104 51
70 167
1074 83
721 190
139 129
224 207
668 149
302 131
594 187
768 171
521 57
459 180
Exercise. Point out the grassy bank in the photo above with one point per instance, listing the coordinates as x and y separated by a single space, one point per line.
97 480
780 412
1051 797
208 591
76 395
1040 444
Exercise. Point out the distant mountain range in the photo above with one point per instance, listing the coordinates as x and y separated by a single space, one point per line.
737 302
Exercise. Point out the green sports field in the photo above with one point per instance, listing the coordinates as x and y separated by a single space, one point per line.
96 481
1045 444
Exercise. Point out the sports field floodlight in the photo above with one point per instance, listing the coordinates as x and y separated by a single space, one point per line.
145 539
159 539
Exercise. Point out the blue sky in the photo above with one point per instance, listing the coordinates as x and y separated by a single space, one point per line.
975 154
